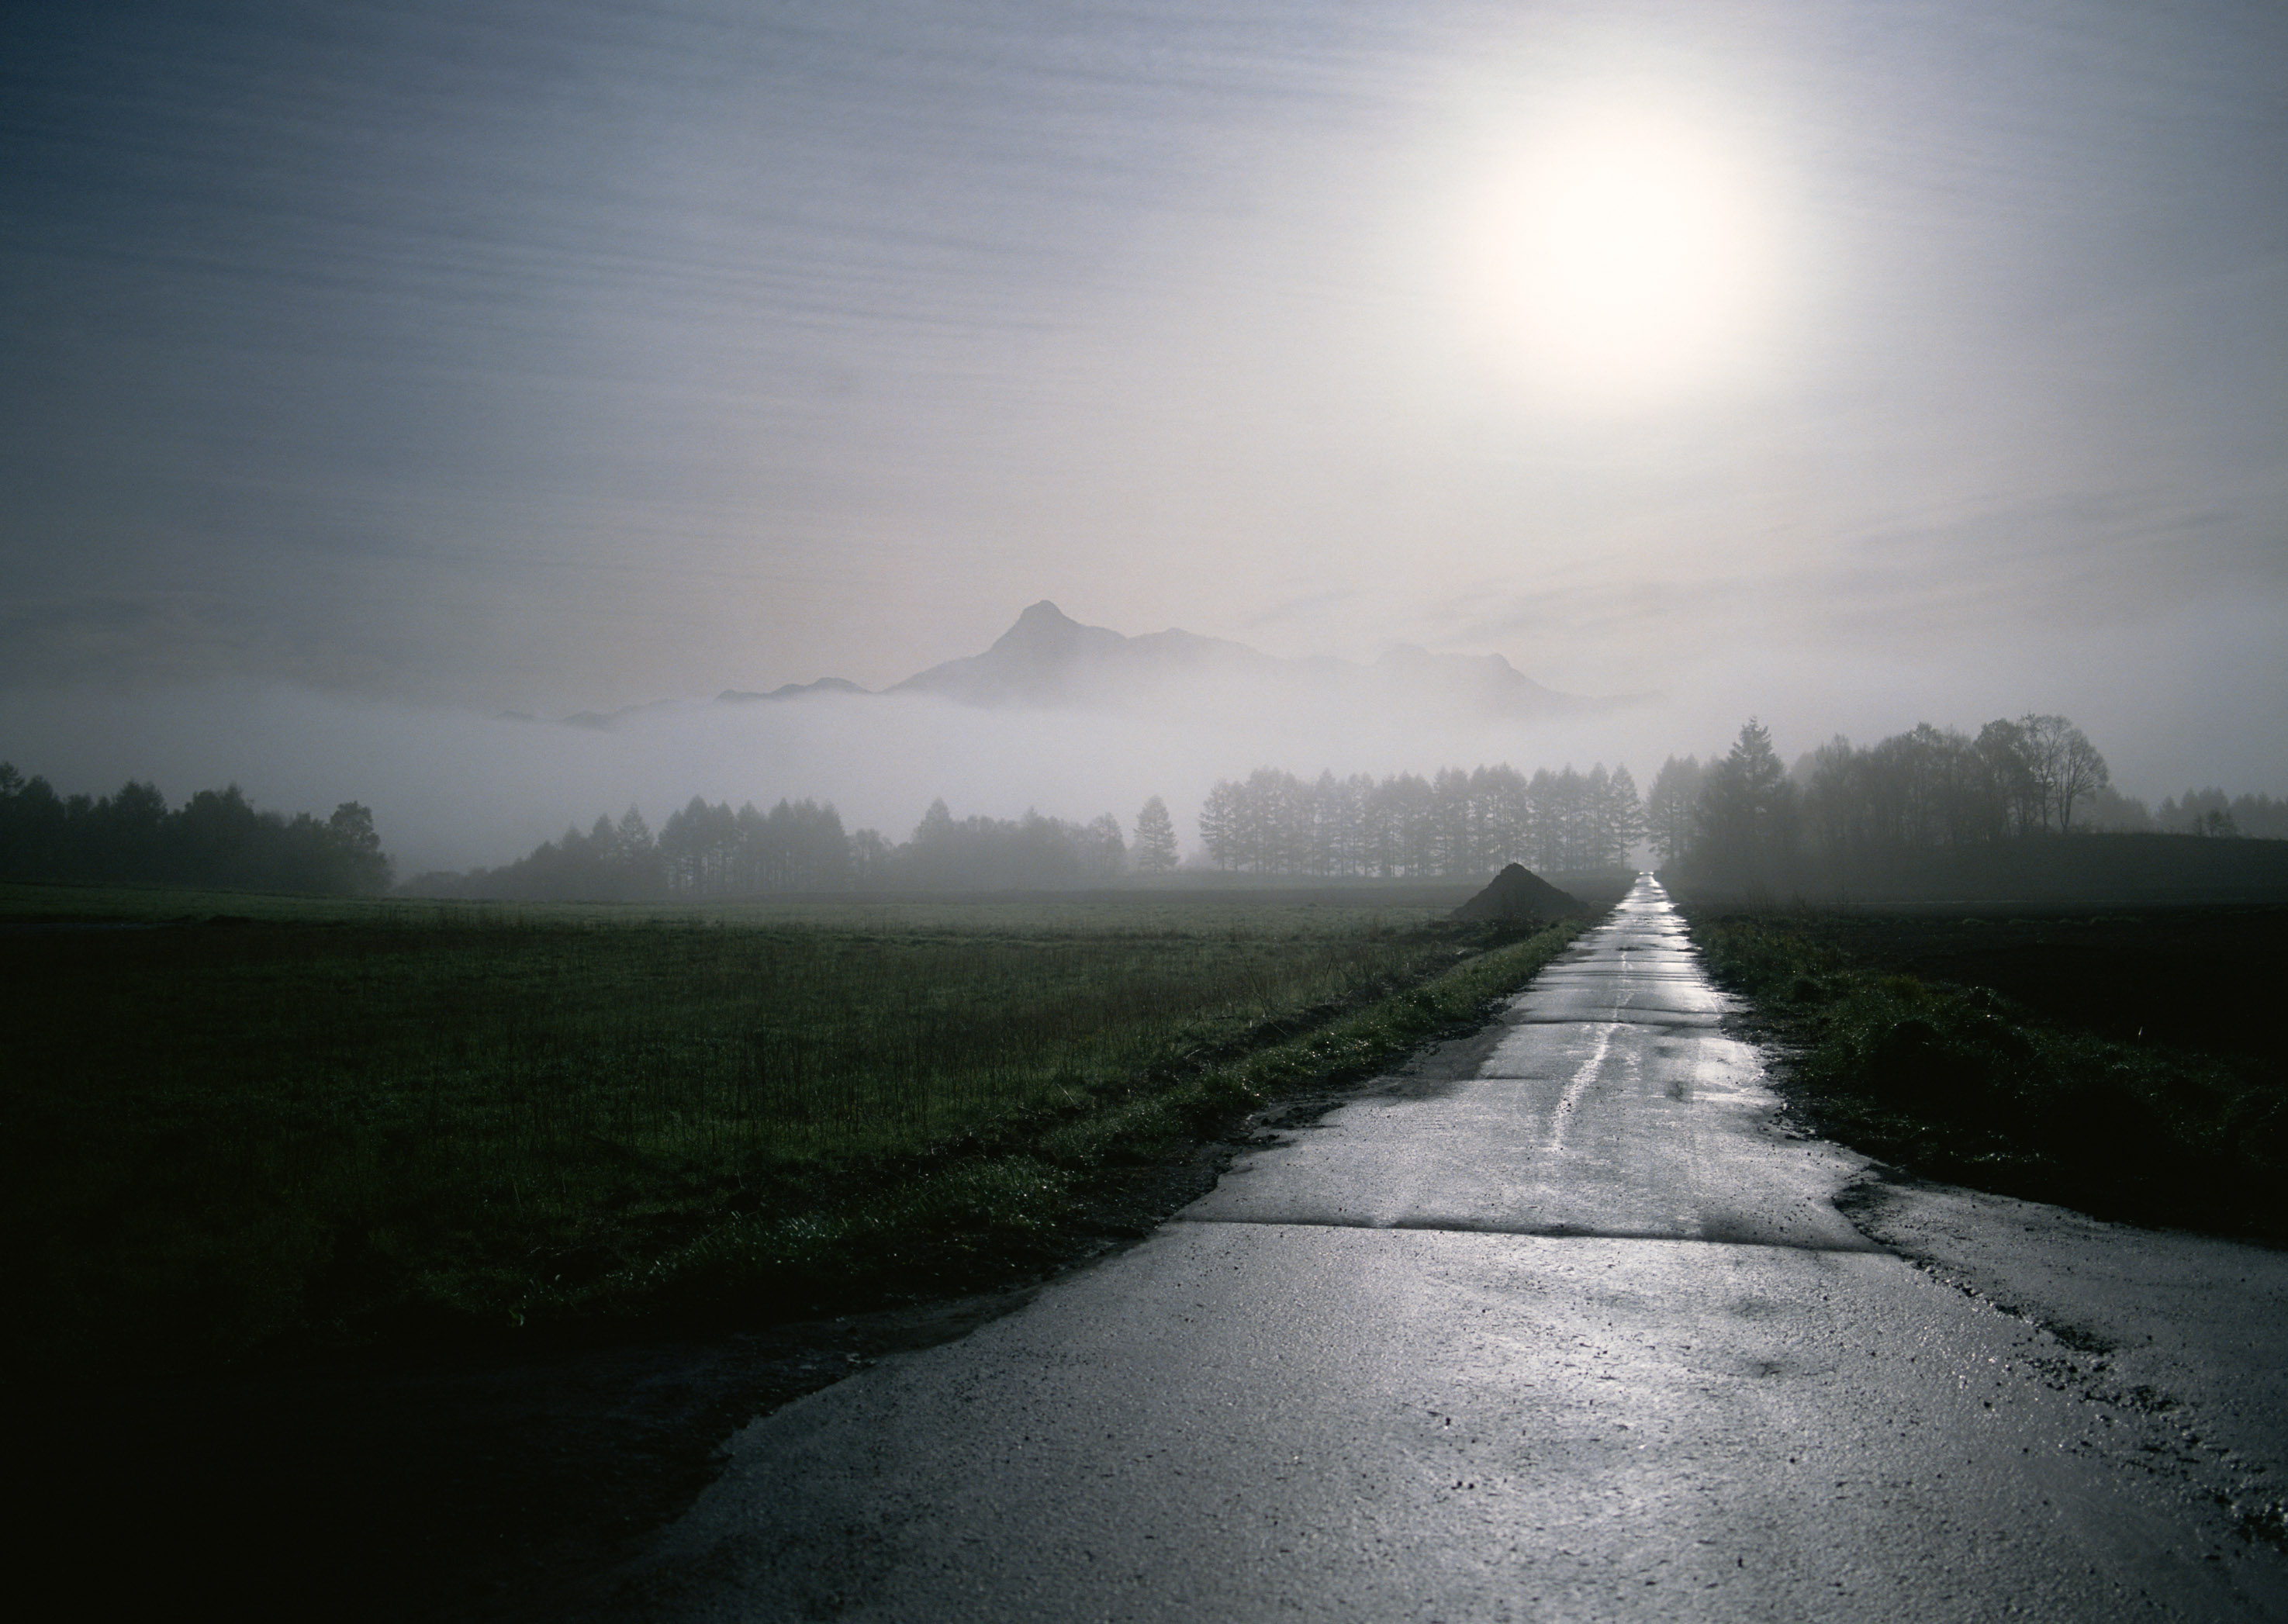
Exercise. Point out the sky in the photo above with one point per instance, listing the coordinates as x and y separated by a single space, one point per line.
376 369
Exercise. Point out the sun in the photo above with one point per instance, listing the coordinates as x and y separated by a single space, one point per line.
1621 255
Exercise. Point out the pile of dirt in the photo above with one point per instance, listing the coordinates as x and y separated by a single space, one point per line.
1518 894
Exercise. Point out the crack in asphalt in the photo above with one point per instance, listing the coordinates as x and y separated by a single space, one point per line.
1544 1231
1582 1078
1620 1017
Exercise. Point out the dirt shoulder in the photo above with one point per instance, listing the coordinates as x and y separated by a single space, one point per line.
2177 1341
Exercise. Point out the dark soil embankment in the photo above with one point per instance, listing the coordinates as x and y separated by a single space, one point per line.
1516 895
2131 1064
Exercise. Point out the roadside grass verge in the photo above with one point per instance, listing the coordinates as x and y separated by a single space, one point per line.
260 1136
969 1213
1956 1082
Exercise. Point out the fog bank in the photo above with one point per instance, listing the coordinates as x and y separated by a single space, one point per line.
455 788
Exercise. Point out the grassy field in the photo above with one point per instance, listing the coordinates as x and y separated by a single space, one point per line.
2130 1064
239 1126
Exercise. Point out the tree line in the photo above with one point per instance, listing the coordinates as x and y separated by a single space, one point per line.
2212 811
1452 825
1926 788
1745 820
1742 819
214 838
708 852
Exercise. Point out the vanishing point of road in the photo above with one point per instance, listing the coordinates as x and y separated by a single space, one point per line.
1555 1323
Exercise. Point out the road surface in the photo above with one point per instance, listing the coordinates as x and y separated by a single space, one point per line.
1554 1324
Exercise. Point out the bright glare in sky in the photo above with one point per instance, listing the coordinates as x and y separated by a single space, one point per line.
1622 260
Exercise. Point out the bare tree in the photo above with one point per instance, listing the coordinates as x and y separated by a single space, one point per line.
2064 766
2081 774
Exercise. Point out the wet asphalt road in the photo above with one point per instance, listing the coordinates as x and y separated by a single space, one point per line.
1554 1325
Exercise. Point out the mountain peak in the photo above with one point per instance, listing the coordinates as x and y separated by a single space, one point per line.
1036 660
1046 634
1046 627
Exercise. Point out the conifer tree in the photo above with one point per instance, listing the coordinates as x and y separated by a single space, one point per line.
1155 839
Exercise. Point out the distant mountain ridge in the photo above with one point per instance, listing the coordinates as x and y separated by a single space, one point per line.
793 690
1050 660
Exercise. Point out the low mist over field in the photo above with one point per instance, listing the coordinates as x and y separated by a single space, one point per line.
452 788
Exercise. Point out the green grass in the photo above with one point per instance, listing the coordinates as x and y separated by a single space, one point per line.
30 902
308 1124
1956 1082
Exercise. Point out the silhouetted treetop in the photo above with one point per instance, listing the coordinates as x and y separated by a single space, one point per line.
214 838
